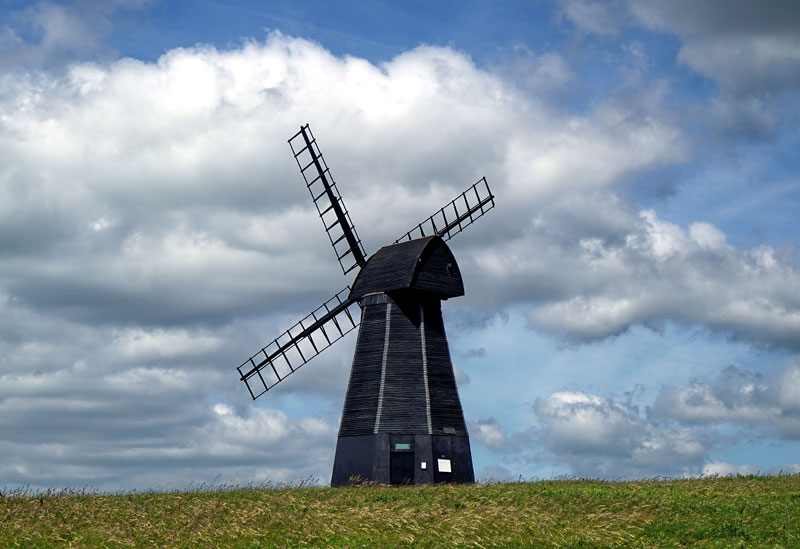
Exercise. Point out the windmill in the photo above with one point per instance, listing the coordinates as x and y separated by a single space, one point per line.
402 420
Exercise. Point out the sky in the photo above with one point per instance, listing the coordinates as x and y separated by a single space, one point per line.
632 304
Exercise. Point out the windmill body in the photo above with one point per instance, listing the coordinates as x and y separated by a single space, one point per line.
402 420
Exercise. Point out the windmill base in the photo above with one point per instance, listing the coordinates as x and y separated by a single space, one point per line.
396 459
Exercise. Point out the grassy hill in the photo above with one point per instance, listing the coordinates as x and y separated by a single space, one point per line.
757 511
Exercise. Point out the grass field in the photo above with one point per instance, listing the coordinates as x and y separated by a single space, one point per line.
752 511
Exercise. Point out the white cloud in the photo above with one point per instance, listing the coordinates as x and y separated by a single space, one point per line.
750 50
487 431
724 469
139 408
53 34
656 271
144 427
154 233
162 186
794 468
136 343
263 429
737 396
187 215
707 236
547 76
592 17
580 422
583 434
744 46
599 437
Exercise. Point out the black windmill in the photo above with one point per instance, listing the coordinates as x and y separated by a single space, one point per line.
402 420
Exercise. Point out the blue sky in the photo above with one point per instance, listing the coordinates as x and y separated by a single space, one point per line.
632 303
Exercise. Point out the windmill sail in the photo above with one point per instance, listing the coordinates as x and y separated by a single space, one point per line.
455 216
327 199
300 343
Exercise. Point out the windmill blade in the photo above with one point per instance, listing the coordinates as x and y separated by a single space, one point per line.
327 199
455 216
300 343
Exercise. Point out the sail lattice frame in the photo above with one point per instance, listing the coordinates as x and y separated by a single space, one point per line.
454 217
330 206
316 332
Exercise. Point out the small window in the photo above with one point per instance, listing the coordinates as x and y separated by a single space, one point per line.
449 430
444 465
423 465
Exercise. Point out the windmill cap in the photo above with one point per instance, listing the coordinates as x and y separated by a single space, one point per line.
422 265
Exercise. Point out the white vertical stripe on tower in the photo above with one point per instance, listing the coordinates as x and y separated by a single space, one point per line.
383 366
425 367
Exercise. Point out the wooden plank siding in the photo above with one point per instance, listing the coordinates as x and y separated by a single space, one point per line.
422 265
446 408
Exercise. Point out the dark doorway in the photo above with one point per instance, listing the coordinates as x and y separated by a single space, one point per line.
402 468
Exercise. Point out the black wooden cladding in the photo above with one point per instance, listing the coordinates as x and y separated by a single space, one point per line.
462 211
404 406
447 415
327 200
403 381
363 389
371 458
437 271
424 265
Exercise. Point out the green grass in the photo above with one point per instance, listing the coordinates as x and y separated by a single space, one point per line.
751 511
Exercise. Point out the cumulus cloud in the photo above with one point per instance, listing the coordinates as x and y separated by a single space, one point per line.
200 445
48 34
588 435
153 230
677 435
748 48
461 376
156 191
168 214
487 431
546 76
737 396
649 272
599 437
147 407
115 418
724 469
592 17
